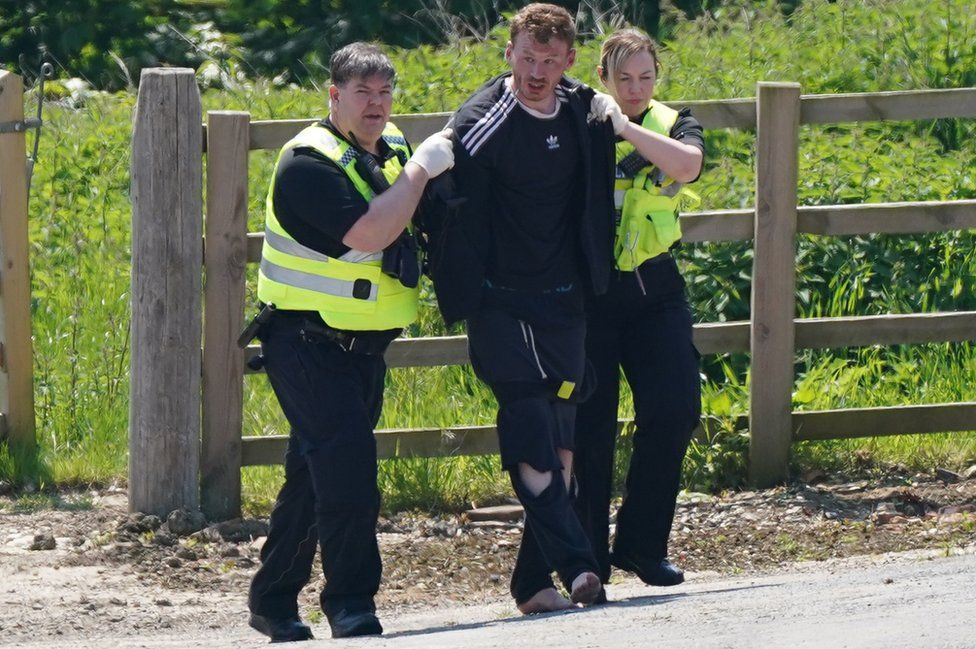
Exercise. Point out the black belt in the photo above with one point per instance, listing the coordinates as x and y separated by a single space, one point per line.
371 343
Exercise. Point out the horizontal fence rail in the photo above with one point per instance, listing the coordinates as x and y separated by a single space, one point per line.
226 263
830 220
439 442
730 337
888 420
812 425
712 113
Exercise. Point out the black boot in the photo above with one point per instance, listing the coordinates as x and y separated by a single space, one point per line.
280 629
660 572
347 624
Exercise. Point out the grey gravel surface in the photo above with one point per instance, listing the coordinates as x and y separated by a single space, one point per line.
894 601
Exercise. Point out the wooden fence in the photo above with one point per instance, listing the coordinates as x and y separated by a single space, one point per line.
16 355
771 336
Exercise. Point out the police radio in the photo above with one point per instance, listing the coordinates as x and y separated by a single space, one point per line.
400 259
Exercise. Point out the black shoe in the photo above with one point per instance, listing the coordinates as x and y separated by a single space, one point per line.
653 573
347 624
280 629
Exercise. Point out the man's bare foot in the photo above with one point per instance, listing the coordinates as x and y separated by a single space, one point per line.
586 588
546 600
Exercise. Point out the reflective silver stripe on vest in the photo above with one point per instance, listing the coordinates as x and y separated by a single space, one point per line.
618 198
358 256
672 190
291 247
316 283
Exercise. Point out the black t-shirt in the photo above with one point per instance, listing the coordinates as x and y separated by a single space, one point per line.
686 129
314 200
535 202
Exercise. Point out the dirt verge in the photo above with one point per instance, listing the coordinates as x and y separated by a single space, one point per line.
87 569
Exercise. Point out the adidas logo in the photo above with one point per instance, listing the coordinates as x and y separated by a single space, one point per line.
553 142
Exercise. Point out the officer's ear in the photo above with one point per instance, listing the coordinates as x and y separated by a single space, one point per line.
333 93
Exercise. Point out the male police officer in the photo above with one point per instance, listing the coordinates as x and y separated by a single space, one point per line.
534 235
339 267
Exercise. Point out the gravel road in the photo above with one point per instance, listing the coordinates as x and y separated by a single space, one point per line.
893 601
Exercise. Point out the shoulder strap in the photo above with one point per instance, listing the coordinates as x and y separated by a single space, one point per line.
659 118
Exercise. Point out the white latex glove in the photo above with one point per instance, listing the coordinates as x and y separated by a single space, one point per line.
604 107
435 154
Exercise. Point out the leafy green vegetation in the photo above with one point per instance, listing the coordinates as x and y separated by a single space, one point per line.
79 230
108 42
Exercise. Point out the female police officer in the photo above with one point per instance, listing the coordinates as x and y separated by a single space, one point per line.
643 322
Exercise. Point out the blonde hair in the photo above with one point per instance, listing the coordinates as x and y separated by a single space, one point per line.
622 45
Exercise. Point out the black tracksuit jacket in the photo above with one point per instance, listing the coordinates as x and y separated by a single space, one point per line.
459 238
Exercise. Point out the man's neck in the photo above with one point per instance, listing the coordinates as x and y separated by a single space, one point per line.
347 134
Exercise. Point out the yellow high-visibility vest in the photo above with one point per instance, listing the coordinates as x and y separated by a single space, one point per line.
351 293
647 213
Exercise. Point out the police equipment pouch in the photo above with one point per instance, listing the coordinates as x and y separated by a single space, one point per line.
254 327
401 260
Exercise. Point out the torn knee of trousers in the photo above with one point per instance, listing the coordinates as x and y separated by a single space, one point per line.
553 492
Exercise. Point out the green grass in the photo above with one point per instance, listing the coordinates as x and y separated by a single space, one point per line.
79 230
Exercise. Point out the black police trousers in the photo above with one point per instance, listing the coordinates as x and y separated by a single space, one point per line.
647 331
332 400
523 345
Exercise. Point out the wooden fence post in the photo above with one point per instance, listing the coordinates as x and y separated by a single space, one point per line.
223 362
167 224
773 282
16 350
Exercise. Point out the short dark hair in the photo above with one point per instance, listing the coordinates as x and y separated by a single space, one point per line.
359 61
543 21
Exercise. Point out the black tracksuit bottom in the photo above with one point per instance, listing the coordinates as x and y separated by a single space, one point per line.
647 331
332 400
524 346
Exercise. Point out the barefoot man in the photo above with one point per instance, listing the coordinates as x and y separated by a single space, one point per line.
532 239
